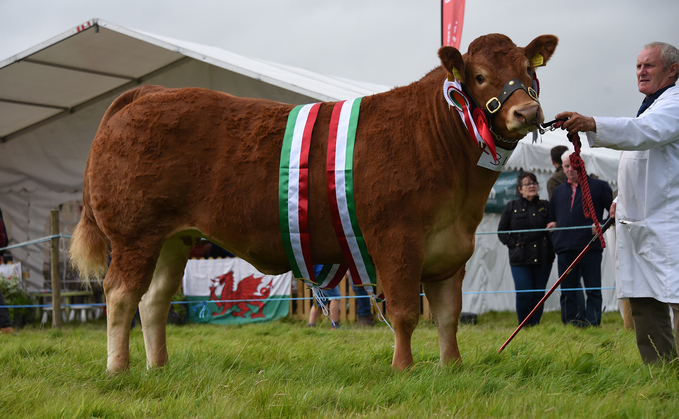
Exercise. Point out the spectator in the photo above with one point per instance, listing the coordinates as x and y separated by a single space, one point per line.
4 239
5 320
330 299
363 308
648 199
566 210
559 176
531 253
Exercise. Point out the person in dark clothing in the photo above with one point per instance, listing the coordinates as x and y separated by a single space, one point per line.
531 253
559 176
566 210
5 320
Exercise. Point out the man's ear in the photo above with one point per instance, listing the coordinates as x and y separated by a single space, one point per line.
674 69
452 61
540 50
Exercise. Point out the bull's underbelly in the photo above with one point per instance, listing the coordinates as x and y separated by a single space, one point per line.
450 242
446 252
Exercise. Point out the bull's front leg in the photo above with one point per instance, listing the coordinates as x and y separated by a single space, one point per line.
402 292
445 302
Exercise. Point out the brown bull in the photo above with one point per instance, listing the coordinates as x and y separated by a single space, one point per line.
168 166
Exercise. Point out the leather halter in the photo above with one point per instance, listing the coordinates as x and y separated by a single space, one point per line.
494 104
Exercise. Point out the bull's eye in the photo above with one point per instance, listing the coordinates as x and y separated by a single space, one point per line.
480 79
529 70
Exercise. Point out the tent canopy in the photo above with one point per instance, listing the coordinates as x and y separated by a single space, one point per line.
67 72
52 97
536 158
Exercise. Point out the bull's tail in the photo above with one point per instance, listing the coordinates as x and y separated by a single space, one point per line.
89 246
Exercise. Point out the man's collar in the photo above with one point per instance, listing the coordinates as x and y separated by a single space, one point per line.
648 100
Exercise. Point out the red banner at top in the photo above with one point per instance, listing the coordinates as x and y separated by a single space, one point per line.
452 15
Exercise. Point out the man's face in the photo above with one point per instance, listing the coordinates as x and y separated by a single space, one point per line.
570 172
651 72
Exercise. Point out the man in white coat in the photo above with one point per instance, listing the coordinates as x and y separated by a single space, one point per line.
647 209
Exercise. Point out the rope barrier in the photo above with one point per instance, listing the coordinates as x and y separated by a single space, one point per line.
36 241
534 230
203 303
344 297
478 233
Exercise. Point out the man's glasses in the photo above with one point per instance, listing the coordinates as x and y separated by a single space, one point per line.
529 184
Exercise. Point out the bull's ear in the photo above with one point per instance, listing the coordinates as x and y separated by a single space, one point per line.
452 61
540 50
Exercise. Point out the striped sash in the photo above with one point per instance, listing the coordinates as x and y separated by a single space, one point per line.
293 195
293 199
340 180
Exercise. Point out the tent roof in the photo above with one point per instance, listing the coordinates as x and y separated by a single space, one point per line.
602 162
71 70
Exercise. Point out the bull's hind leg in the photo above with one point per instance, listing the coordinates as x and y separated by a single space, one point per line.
127 279
445 301
155 304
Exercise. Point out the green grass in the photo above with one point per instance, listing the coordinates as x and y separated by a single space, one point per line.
283 369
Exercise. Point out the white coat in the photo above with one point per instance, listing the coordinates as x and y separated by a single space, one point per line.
647 211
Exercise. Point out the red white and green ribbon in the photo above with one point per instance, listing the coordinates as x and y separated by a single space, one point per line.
293 199
341 140
475 121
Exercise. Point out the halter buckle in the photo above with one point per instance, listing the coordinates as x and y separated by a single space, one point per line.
493 105
532 94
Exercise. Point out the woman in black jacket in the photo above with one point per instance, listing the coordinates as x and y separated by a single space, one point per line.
531 253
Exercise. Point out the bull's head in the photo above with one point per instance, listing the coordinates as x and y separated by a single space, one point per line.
499 77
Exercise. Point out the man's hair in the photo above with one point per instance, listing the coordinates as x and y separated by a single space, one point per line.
556 153
669 54
566 155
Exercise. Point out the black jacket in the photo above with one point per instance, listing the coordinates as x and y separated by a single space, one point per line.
4 240
534 248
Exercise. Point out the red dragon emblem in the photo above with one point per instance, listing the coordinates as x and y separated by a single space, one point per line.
247 289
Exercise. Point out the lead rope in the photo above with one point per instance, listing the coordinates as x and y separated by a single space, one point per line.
579 165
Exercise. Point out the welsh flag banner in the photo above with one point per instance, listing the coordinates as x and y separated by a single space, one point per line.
452 15
231 291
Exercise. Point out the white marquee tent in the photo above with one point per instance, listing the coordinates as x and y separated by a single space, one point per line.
53 96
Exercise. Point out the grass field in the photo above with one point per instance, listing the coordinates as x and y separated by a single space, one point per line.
283 369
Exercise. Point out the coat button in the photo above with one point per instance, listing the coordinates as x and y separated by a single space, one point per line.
535 260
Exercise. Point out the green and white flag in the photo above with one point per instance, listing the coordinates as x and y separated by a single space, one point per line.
231 291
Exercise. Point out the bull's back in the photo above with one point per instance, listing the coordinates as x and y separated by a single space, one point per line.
171 159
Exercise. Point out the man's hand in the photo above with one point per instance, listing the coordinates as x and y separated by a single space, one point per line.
577 123
611 211
551 225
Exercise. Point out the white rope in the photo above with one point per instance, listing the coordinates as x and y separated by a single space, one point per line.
319 297
380 316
